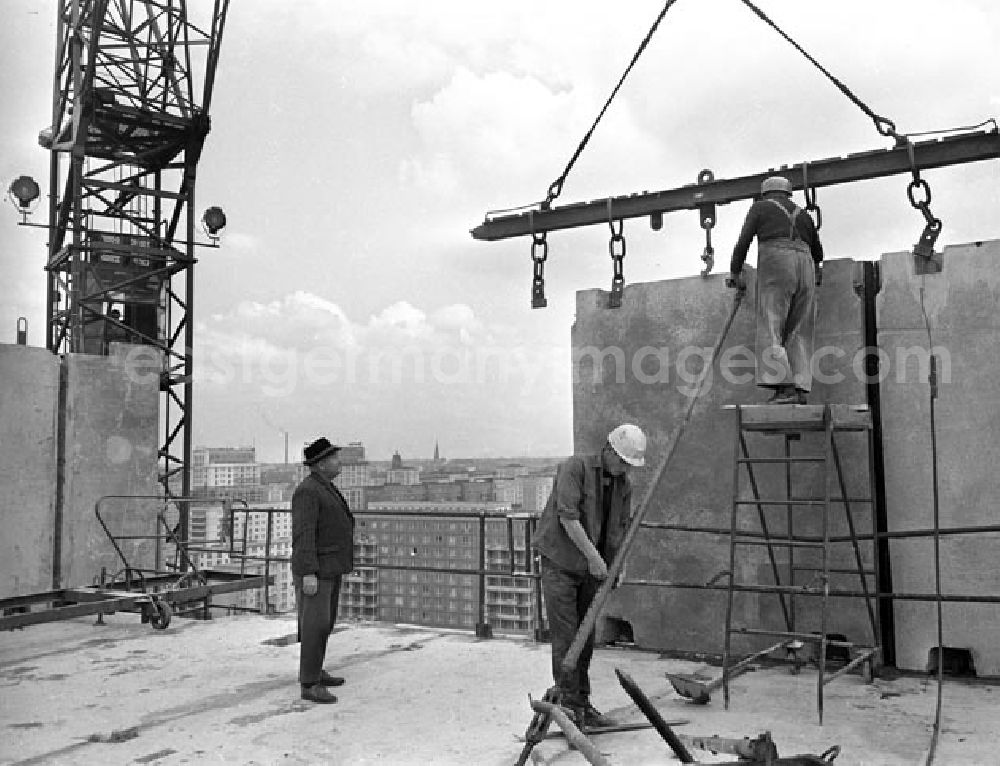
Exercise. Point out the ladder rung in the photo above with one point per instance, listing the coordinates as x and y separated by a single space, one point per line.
779 543
780 502
833 571
793 459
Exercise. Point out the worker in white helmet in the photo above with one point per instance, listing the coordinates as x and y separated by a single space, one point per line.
579 533
789 267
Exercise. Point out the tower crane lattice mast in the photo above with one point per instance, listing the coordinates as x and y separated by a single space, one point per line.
130 113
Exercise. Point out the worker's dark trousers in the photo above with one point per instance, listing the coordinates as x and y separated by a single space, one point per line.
317 616
786 314
567 598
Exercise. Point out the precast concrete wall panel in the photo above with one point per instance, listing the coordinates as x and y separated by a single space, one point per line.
111 432
640 363
29 396
960 305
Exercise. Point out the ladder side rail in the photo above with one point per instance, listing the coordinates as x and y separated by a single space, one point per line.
790 530
738 445
854 540
764 526
827 465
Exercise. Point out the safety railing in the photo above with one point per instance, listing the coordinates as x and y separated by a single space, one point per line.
500 545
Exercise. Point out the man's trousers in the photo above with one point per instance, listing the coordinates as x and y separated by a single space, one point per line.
317 616
786 314
567 597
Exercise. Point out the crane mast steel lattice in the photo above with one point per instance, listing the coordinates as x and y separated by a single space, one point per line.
130 103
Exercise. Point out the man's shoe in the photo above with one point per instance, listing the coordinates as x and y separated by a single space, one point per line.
327 680
781 394
318 693
595 719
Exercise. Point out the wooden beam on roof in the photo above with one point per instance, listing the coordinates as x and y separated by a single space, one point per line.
936 153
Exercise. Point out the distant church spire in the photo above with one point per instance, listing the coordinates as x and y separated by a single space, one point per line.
437 452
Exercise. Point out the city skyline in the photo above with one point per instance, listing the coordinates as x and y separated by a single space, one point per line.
348 296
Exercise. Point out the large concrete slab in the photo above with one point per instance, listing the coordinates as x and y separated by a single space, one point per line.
29 394
111 433
961 310
639 364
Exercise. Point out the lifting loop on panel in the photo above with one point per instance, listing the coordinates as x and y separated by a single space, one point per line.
539 252
616 248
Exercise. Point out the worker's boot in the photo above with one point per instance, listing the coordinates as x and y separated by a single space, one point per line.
595 719
784 395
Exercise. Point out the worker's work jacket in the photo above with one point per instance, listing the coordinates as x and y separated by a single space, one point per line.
322 529
577 495
775 217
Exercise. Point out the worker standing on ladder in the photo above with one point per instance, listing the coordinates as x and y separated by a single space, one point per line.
789 267
581 529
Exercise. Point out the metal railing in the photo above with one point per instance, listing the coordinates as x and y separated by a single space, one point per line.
517 536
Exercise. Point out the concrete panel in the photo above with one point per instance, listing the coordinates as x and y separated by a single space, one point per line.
961 306
640 364
29 394
112 436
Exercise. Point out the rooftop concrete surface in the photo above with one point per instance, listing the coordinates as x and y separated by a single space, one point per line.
225 691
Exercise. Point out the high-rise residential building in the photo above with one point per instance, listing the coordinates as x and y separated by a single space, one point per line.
224 472
352 452
352 475
505 491
533 491
435 539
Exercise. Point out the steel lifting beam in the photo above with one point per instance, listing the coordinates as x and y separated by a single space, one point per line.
937 153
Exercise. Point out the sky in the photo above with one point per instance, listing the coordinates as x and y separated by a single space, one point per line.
355 145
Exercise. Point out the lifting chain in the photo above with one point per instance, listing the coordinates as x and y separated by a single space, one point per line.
919 193
616 248
706 214
812 207
539 252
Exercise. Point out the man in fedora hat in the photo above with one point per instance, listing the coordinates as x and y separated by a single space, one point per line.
322 552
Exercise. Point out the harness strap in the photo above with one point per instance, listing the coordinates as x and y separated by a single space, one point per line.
793 233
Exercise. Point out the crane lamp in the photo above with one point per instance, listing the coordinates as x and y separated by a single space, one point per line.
213 220
23 191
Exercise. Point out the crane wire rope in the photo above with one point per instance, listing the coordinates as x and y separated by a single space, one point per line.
932 380
555 188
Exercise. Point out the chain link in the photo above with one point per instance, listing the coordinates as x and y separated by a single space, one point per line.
812 207
932 225
539 252
616 248
706 214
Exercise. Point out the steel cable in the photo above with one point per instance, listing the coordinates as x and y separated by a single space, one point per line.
555 188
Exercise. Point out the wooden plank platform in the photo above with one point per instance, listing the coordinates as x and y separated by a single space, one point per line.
782 418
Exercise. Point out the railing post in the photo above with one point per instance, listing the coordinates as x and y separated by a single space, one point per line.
483 629
267 562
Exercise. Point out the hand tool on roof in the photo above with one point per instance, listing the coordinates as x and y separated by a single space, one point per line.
700 691
759 751
648 710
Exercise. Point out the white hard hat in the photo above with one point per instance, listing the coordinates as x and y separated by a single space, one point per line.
776 184
630 443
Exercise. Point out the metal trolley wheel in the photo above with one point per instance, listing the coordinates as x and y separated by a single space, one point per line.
160 614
